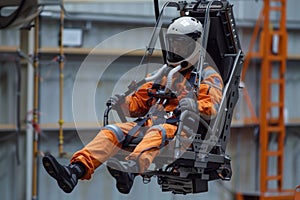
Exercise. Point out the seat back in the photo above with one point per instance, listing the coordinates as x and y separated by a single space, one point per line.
223 41
224 48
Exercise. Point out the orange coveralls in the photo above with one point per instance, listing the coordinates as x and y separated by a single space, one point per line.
109 139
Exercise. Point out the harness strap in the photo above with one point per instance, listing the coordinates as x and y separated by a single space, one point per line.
130 135
172 120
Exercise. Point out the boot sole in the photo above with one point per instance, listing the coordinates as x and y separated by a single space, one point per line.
123 182
53 169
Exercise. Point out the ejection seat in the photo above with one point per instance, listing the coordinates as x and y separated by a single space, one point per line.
189 169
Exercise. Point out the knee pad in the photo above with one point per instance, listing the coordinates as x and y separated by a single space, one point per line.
117 132
163 134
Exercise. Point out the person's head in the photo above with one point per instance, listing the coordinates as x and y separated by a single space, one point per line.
183 42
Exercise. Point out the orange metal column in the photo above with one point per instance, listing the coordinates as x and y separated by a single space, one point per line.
267 81
274 56
251 54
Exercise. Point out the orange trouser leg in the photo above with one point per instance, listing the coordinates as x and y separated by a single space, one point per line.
149 147
102 147
96 152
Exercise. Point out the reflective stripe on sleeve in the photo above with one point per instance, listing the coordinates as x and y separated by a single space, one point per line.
117 131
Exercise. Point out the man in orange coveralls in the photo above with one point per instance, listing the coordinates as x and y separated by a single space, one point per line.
183 41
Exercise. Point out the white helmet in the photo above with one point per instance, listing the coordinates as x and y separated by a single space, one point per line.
183 42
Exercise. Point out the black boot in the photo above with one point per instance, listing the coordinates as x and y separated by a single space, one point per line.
124 173
66 176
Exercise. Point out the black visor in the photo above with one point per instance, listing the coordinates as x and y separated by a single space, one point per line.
179 47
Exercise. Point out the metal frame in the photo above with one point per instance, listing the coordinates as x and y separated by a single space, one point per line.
196 167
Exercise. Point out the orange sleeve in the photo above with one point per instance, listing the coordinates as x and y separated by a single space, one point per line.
210 93
137 102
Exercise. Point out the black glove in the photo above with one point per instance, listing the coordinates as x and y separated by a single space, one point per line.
116 100
188 104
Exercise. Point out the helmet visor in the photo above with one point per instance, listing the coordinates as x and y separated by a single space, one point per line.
179 47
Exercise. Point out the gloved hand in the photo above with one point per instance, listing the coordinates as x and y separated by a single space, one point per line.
188 104
116 100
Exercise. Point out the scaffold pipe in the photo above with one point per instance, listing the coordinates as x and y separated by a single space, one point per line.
61 85
35 120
